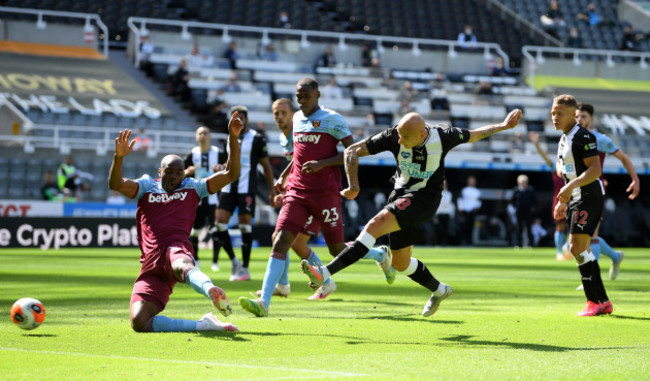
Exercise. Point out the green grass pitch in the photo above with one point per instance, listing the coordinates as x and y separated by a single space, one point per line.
512 316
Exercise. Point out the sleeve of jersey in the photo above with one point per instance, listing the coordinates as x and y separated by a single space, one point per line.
383 141
339 128
201 186
452 136
587 145
605 144
144 183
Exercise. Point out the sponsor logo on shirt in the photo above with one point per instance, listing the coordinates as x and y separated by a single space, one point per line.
307 138
413 170
164 198
405 155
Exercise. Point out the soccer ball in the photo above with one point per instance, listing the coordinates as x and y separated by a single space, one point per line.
27 313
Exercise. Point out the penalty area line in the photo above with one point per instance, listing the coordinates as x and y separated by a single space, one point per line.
134 358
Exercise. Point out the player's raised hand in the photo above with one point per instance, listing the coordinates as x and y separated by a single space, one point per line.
122 145
533 136
349 193
236 124
513 118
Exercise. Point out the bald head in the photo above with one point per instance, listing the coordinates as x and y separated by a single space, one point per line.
412 130
171 161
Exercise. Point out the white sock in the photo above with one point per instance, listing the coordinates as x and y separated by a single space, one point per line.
441 290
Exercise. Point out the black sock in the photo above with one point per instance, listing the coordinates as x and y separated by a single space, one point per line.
424 278
223 239
216 248
195 245
246 246
601 294
348 256
589 280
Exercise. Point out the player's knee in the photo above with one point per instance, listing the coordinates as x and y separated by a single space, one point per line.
139 324
141 320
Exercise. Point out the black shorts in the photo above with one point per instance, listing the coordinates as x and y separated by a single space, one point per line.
583 216
204 212
410 210
231 201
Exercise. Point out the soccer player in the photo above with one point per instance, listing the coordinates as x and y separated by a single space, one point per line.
313 182
585 118
578 163
419 150
241 195
283 114
166 212
559 236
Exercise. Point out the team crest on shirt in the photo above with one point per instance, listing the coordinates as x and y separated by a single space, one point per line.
315 123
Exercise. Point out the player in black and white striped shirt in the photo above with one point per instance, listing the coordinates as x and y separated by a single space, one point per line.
579 165
419 150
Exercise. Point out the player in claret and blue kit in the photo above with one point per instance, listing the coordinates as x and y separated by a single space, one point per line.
313 181
165 215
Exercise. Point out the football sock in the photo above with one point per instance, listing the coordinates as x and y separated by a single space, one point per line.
246 245
199 281
587 265
314 260
608 251
559 241
274 269
165 324
601 294
420 274
222 239
284 278
348 256
594 247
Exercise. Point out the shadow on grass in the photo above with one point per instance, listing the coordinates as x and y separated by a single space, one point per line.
465 340
629 317
40 335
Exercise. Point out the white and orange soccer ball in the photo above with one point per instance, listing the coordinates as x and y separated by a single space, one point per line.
27 313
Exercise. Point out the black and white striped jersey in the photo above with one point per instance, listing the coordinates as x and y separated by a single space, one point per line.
419 169
575 146
252 148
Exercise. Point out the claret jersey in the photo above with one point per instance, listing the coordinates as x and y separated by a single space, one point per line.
164 218
315 138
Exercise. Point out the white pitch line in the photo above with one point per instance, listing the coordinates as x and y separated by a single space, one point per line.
336 373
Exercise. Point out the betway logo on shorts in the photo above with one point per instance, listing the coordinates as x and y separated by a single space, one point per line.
166 197
307 138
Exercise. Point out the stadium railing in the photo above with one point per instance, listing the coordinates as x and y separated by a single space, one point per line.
41 24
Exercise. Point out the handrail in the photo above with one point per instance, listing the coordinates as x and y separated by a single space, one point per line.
531 26
304 34
528 50
87 16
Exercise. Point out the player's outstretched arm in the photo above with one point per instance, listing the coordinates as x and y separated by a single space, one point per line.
590 175
231 172
483 132
635 185
534 137
351 161
116 182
